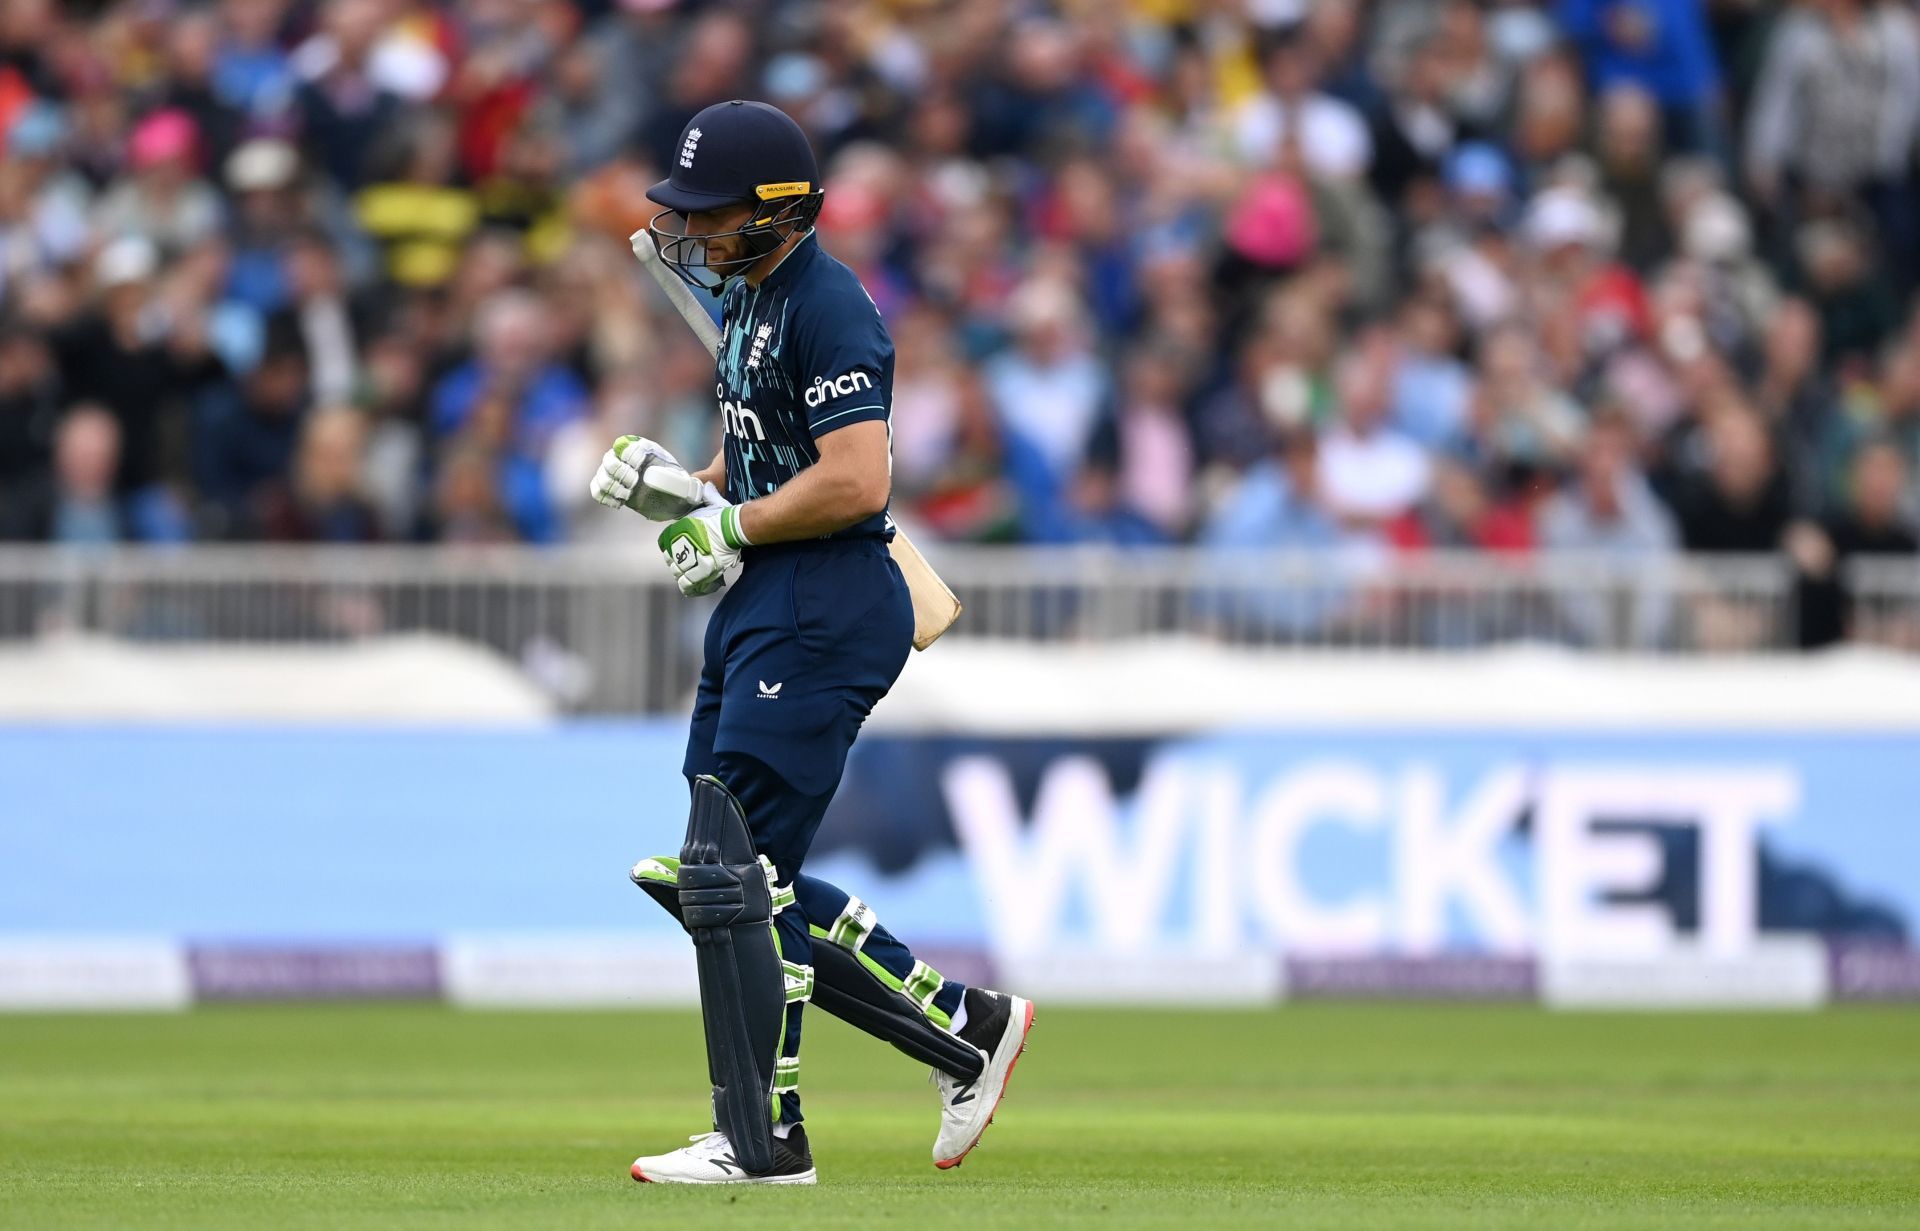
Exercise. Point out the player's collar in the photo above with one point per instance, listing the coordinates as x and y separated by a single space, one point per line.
791 264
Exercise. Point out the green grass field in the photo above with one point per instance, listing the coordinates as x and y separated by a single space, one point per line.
1307 1116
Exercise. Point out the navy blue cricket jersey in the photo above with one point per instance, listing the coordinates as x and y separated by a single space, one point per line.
801 355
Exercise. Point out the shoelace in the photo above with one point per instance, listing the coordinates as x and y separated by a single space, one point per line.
699 1143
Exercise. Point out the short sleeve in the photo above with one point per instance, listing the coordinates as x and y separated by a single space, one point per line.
841 362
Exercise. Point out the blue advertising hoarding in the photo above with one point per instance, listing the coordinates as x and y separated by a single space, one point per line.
1246 840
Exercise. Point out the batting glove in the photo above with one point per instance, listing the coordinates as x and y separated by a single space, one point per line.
619 472
643 476
703 547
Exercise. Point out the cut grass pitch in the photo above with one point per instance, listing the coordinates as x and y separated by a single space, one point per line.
1305 1116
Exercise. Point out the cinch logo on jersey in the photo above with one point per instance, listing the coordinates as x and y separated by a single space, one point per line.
688 146
738 416
837 387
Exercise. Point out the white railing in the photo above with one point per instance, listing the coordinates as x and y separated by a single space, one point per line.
1885 602
607 632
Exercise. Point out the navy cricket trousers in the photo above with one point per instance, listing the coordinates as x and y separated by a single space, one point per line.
803 644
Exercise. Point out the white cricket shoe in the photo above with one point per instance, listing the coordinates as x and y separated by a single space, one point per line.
997 1024
709 1160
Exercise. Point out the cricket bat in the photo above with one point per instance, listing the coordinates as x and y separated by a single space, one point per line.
934 606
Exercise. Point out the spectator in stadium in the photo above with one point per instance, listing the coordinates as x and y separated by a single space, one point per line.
1740 504
1480 81
521 195
594 106
1036 94
29 408
1878 517
1629 155
1285 380
1517 419
28 31
1834 116
512 360
466 499
1795 396
164 200
1459 513
125 356
972 498
1876 521
252 72
43 205
417 213
80 507
1334 141
1856 307
509 400
325 503
392 393
1591 307
1276 503
1892 415
1431 386
1662 47
1278 507
926 398
1153 470
343 105
1607 505
1370 474
266 210
1736 292
1049 390
244 437
1550 120
1608 509
709 61
330 324
1413 130
1272 233
193 53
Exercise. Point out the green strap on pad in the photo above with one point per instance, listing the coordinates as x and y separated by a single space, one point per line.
850 985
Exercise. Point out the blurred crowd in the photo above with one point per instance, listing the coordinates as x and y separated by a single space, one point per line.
1636 276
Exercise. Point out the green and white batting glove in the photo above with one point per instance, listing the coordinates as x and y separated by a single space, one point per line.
643 476
701 548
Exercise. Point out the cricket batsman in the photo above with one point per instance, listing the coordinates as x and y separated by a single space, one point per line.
814 626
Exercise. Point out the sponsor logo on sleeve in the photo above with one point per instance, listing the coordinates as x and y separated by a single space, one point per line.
825 389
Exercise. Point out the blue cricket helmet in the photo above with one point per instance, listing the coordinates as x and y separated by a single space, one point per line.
732 153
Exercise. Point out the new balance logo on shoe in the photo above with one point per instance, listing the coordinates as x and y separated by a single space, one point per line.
771 692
